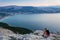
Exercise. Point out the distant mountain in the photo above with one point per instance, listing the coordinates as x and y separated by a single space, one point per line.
13 10
30 9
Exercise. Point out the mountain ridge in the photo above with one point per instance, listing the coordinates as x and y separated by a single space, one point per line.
14 10
32 9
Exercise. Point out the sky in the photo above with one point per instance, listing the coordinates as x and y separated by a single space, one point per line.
30 2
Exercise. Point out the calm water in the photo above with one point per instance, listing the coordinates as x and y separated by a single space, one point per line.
35 21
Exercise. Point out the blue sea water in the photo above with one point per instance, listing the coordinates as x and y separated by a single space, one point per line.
35 21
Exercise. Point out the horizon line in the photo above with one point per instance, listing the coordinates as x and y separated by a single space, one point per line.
29 5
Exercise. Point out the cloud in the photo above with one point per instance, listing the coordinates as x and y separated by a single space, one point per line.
31 2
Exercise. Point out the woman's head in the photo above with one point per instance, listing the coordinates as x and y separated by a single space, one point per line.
45 29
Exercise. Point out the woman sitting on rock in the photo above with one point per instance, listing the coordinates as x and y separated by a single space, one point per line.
46 33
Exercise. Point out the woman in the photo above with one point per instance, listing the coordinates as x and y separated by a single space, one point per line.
46 33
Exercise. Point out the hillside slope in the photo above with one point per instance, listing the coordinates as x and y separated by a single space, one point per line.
15 29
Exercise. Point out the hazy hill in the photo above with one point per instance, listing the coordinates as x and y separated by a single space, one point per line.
25 9
14 10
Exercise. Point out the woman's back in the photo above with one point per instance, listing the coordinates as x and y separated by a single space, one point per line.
46 33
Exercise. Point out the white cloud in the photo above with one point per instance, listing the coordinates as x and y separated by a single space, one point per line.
33 3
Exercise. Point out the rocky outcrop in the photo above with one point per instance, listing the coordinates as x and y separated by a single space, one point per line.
6 31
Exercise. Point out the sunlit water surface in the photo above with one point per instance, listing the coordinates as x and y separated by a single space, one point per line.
35 21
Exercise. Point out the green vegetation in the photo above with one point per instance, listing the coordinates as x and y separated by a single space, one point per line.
15 29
